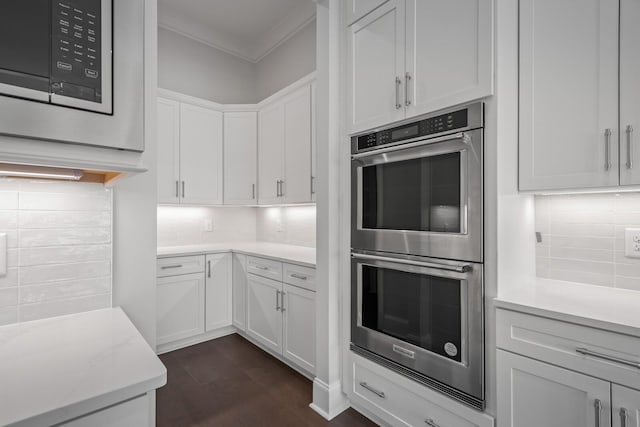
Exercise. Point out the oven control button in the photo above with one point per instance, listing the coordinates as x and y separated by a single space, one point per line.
451 349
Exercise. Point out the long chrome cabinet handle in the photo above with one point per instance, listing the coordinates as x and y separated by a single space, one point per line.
278 188
282 188
313 185
253 191
183 189
431 423
277 300
282 309
398 83
298 276
373 390
407 80
460 269
607 149
167 267
209 268
624 417
597 404
177 189
587 352
460 135
629 147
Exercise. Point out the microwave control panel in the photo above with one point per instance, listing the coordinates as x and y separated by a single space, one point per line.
430 126
76 51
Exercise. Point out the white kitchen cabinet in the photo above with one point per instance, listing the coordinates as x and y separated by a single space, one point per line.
218 292
270 153
190 158
569 94
180 307
239 291
629 92
240 158
400 65
299 309
356 9
625 406
264 319
533 394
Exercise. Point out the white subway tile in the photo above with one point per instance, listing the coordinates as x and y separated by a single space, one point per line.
604 268
58 272
64 290
628 270
583 277
583 230
62 219
632 283
64 236
64 254
11 279
631 219
583 254
12 238
602 243
8 200
65 202
59 308
8 219
8 315
8 297
12 258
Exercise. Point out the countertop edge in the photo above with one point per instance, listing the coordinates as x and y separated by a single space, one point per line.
235 250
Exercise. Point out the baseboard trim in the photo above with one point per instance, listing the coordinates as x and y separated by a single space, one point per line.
187 342
328 400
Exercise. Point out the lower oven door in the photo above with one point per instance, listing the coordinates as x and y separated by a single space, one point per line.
424 317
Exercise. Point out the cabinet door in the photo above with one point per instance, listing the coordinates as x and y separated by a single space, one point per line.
356 9
299 308
296 187
168 150
218 291
534 394
376 64
200 155
568 94
240 158
314 142
264 319
270 153
240 291
180 307
629 92
449 53
626 406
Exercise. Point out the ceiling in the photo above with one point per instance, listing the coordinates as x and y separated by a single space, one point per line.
249 29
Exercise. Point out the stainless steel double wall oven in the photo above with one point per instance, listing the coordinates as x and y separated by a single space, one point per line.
417 250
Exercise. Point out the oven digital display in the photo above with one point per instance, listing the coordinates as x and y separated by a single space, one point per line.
405 133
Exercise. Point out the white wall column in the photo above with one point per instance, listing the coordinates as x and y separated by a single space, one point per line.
328 399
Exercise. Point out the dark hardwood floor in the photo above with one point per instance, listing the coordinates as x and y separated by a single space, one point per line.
230 382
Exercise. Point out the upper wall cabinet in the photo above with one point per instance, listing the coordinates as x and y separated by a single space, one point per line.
569 94
189 154
240 158
400 64
629 92
285 149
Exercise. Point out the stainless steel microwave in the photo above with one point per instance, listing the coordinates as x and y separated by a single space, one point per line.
417 188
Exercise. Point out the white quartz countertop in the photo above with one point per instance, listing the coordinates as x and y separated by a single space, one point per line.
301 255
56 369
600 307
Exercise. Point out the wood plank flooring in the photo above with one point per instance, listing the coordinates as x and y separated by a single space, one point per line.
230 382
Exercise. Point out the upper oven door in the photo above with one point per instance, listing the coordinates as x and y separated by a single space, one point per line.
422 198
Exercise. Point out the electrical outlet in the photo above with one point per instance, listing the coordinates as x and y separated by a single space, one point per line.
208 225
632 242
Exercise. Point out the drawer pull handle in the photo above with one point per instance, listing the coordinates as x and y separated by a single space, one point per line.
373 390
624 417
586 352
167 267
298 276
261 267
598 407
431 423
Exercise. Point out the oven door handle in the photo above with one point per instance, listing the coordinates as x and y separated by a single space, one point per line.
457 268
460 135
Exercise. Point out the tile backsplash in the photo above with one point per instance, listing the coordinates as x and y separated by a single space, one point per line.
292 225
59 248
583 238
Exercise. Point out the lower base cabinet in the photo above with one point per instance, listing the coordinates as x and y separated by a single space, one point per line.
626 406
264 319
299 309
218 297
239 275
180 307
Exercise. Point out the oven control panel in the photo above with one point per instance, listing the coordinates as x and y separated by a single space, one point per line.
429 126
76 51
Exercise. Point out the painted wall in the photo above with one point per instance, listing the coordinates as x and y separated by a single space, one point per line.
60 245
193 68
583 238
290 61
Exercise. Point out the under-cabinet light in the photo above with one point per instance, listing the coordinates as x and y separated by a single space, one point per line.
27 171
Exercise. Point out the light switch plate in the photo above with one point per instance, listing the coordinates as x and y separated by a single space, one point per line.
632 242
208 225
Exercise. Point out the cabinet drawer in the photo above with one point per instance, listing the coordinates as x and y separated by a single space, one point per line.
297 275
603 354
399 406
265 268
179 265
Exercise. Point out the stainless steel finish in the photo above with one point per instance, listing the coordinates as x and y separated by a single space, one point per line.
431 423
597 404
209 268
629 147
298 276
407 80
253 191
177 189
403 351
183 189
398 83
24 92
466 376
607 149
624 417
168 267
372 390
277 300
282 309
466 245
587 352
419 142
459 268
